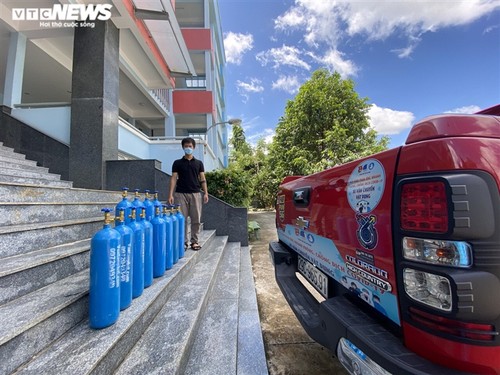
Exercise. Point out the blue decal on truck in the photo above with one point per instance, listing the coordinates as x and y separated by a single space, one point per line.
365 186
371 286
366 232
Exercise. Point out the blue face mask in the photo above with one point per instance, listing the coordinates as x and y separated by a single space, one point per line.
188 150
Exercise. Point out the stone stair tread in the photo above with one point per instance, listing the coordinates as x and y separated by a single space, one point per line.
28 193
52 224
251 351
21 262
31 212
16 172
25 238
219 324
17 161
29 310
162 347
9 152
19 172
81 349
34 181
26 166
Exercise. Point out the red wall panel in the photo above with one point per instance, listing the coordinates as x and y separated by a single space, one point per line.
193 101
197 39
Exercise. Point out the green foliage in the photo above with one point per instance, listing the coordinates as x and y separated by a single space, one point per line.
238 140
325 125
229 185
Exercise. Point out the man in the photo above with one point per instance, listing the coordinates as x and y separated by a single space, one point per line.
187 175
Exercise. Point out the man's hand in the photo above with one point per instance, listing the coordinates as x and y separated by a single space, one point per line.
170 199
205 198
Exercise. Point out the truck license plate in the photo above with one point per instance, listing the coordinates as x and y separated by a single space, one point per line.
317 278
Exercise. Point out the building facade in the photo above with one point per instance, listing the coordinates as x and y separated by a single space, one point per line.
88 82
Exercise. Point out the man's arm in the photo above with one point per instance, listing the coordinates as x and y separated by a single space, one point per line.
203 183
173 183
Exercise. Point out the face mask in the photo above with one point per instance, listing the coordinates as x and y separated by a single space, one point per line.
188 150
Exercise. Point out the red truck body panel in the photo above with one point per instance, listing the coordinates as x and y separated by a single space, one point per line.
339 199
345 221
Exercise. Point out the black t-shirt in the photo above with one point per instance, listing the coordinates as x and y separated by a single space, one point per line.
188 172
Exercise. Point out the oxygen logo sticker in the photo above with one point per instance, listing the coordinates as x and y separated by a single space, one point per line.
366 232
365 186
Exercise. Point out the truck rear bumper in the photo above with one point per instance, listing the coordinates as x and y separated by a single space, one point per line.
335 318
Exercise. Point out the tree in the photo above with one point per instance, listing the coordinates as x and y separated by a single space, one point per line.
238 140
325 125
234 185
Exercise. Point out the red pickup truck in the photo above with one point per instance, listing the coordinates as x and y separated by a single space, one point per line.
403 249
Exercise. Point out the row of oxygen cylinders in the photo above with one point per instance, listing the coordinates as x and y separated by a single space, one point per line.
147 239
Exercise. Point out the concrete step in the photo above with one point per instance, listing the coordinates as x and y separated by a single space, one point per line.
214 349
10 153
25 238
24 166
16 161
164 346
39 318
26 213
229 340
251 352
21 172
22 193
9 179
83 350
25 273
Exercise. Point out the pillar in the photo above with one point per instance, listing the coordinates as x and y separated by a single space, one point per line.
170 119
94 104
13 86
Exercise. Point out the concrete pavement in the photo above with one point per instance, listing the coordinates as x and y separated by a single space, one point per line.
289 350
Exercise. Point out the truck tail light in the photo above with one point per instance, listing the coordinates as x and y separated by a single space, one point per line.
428 288
438 252
474 331
424 207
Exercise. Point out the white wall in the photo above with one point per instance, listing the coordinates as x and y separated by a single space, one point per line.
51 121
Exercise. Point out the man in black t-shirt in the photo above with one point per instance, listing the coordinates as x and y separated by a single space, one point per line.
188 173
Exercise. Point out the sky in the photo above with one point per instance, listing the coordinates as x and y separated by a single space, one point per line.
411 59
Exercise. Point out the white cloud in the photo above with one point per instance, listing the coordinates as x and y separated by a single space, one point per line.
289 84
334 60
267 134
465 110
236 45
291 18
285 55
253 86
388 121
490 29
246 88
332 21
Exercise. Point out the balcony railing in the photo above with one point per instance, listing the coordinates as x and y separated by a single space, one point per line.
162 97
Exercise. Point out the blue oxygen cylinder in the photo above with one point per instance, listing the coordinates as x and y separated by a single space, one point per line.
125 204
150 208
148 248
156 201
169 239
104 294
138 247
137 203
159 245
125 260
175 224
182 229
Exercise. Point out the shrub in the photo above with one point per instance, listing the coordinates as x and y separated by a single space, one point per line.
230 185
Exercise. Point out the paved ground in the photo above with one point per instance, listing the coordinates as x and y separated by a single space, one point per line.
289 350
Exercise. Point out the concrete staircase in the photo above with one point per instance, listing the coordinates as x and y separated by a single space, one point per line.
199 318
